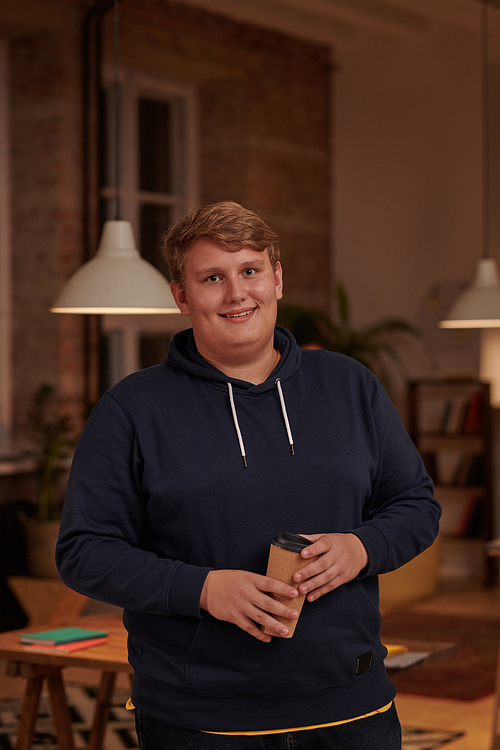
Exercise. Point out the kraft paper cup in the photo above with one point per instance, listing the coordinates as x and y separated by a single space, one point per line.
284 561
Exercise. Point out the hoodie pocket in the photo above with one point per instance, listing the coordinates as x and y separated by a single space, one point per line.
331 635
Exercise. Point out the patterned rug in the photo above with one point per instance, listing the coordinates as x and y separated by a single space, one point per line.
468 674
120 731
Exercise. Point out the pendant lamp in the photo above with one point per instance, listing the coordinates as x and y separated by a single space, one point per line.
479 306
117 280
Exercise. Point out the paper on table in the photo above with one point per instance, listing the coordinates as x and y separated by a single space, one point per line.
404 661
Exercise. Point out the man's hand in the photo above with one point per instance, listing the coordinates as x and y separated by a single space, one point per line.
341 557
241 597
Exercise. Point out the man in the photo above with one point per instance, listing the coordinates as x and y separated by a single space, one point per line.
183 474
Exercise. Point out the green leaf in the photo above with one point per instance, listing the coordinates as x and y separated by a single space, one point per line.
372 345
52 437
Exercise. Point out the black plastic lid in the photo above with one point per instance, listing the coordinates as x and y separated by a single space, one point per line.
290 542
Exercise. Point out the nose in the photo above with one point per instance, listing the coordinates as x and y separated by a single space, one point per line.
235 289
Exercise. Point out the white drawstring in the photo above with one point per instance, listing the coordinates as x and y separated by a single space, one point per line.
236 425
285 415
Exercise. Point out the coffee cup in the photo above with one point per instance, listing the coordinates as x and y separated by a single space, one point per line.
285 560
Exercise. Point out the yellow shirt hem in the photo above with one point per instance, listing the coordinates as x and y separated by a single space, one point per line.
303 729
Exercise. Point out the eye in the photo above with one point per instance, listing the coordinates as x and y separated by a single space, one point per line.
214 277
249 271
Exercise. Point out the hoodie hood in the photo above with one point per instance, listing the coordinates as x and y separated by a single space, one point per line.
183 355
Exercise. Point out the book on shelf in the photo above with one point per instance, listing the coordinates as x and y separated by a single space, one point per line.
64 648
446 415
461 415
473 416
472 519
456 416
462 469
454 468
469 471
61 635
475 474
448 463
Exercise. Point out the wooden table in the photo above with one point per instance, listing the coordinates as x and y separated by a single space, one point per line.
109 659
430 651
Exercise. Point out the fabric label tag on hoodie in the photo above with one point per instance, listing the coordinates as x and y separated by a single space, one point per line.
363 663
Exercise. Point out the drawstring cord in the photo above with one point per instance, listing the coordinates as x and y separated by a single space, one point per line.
277 382
236 425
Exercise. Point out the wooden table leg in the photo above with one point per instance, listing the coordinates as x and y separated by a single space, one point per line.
60 711
35 675
103 705
26 733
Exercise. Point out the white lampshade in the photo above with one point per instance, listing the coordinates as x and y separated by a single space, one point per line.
117 280
479 306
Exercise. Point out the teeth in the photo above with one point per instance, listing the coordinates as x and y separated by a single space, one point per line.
239 315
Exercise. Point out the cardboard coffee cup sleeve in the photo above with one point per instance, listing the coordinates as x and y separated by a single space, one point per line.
282 565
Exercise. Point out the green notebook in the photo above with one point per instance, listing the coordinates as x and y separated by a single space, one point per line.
61 635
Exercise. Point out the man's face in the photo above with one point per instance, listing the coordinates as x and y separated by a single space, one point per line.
231 297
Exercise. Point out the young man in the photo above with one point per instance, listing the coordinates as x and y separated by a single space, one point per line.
183 474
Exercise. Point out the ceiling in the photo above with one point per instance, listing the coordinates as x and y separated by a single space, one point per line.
331 21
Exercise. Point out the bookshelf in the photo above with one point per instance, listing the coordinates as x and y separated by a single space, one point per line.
450 423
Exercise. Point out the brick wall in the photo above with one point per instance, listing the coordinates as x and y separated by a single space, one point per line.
264 120
46 212
264 103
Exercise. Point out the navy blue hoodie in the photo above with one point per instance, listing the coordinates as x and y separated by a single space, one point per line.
159 495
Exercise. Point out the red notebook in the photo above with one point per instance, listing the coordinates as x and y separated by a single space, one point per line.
65 648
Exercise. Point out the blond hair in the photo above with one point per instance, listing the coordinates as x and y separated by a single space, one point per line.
226 223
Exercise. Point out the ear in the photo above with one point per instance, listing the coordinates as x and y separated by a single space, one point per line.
278 280
179 296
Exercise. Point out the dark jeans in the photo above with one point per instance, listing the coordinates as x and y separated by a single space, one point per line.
378 732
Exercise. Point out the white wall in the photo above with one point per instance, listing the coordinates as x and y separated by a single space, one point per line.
407 162
408 177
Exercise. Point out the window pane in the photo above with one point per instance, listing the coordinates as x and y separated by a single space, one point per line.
154 221
161 128
153 350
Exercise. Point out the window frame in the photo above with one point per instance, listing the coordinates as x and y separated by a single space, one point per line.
5 262
125 330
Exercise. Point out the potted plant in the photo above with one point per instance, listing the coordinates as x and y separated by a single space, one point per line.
52 438
372 345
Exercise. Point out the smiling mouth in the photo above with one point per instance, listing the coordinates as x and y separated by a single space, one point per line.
238 315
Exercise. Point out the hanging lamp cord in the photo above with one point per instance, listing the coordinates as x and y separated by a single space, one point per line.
485 128
116 108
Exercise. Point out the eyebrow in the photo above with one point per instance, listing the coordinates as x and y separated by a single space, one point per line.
211 271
